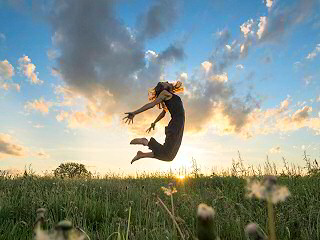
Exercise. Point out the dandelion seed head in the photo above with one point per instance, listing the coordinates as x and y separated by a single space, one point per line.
255 189
267 190
280 194
205 212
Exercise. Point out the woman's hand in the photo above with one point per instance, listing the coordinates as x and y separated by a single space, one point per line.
151 127
129 118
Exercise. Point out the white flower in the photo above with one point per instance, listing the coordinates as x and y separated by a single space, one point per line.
267 190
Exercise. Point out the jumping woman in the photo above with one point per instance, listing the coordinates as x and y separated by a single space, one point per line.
164 96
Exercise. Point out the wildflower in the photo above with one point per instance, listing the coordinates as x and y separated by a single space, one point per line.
205 215
267 190
169 191
253 232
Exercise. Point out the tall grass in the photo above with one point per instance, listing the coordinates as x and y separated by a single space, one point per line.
101 207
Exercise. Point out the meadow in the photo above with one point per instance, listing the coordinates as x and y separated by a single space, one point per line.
128 208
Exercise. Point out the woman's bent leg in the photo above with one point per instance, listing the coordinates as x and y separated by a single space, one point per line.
160 151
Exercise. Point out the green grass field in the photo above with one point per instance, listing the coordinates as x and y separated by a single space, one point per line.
100 206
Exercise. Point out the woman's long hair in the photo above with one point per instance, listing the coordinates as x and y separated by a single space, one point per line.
153 93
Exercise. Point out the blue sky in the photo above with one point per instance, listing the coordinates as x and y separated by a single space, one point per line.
69 70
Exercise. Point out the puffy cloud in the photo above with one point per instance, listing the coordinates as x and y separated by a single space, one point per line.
269 3
210 102
220 77
10 148
263 24
206 66
6 70
39 105
28 69
112 67
282 20
240 67
314 53
275 150
301 114
246 28
6 73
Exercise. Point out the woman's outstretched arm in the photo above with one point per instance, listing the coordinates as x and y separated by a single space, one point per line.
163 96
161 115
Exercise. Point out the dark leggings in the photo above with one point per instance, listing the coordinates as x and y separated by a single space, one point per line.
161 152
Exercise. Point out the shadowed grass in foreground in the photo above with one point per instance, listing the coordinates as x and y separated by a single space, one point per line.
101 207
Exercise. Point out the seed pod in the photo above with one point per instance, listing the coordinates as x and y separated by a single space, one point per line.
205 215
64 225
253 232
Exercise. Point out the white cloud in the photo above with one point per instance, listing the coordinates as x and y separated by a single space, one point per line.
151 55
183 77
39 105
228 47
269 3
314 53
246 27
6 70
262 26
206 66
220 77
28 69
240 66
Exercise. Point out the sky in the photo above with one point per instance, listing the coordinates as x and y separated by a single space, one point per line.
70 69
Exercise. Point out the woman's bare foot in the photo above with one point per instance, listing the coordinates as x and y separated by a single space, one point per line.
142 141
137 157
